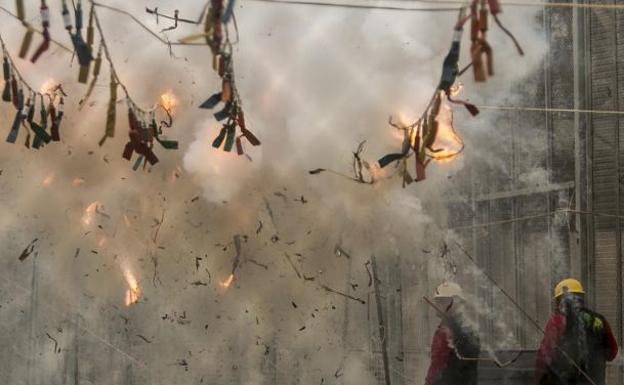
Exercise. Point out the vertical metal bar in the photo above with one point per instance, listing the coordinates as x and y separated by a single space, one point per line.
345 324
549 136
31 378
619 191
76 368
380 319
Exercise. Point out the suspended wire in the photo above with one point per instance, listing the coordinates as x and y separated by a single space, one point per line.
528 4
145 27
537 216
359 6
447 2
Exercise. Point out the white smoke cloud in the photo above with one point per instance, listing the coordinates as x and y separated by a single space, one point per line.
315 82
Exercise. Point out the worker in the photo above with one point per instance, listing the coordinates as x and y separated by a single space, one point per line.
577 341
453 341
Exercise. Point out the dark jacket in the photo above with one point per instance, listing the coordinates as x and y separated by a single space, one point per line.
451 345
586 339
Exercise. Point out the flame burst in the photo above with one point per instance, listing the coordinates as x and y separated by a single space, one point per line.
133 293
226 284
89 213
168 101
49 86
450 143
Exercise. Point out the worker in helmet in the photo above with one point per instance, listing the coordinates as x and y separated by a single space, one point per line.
577 342
453 342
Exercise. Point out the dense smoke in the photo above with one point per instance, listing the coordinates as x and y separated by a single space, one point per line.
315 82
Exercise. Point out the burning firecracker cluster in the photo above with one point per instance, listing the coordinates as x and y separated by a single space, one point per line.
425 139
422 138
143 126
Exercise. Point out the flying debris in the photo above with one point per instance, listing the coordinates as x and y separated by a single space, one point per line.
359 166
237 246
28 250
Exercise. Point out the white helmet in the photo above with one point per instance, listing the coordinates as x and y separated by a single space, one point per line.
448 290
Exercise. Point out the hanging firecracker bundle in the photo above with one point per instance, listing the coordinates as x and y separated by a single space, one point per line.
480 48
143 131
82 48
450 67
232 112
45 24
26 100
234 128
420 138
423 141
28 36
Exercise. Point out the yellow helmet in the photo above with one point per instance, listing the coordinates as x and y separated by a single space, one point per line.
569 285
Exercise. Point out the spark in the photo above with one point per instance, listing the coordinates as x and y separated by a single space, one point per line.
48 180
226 284
133 293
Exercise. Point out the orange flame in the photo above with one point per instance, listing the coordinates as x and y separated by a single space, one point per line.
89 213
447 140
226 284
133 293
168 101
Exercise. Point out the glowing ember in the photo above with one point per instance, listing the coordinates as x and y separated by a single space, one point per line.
48 180
227 282
89 213
456 88
77 182
133 293
127 221
168 101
